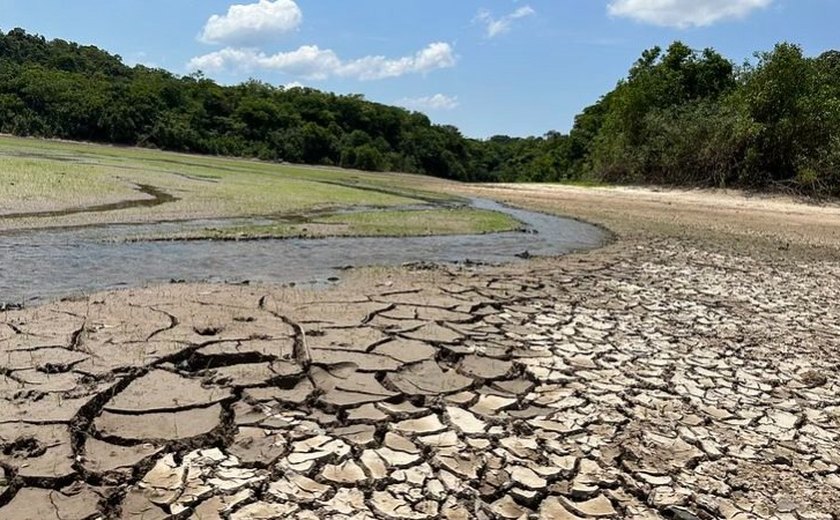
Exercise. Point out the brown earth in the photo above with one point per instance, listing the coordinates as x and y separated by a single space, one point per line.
687 370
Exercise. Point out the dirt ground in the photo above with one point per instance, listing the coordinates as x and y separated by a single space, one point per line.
732 220
687 370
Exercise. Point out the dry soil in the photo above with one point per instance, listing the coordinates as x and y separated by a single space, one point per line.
687 370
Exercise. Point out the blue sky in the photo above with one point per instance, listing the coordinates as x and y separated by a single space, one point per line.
515 67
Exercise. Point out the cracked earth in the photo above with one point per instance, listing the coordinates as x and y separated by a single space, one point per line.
641 382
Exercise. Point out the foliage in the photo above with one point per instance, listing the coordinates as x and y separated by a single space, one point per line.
63 90
692 118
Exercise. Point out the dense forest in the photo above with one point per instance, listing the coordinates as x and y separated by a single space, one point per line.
681 116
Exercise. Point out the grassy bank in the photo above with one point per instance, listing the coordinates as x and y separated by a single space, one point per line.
77 180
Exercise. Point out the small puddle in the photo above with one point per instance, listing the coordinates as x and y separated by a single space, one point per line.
46 264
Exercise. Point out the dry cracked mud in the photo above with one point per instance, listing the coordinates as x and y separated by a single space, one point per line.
658 381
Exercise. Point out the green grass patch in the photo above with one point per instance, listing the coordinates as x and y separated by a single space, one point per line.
457 221
29 182
395 223
42 175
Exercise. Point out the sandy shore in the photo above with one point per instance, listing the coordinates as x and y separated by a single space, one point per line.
727 218
687 370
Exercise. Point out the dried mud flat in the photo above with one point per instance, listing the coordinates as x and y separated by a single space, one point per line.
650 379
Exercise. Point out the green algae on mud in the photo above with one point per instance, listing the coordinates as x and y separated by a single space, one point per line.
381 223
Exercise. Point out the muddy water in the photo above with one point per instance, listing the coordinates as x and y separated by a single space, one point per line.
38 265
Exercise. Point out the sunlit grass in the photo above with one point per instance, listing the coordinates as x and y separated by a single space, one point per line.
425 222
38 176
42 175
32 184
395 223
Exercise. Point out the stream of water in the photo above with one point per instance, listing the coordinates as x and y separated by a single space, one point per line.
53 263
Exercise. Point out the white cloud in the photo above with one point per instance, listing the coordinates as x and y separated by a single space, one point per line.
252 23
499 26
436 102
314 63
293 84
685 13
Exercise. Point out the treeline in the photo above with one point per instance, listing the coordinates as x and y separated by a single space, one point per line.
64 90
685 117
681 117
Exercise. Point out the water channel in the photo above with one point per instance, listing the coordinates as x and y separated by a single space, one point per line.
39 265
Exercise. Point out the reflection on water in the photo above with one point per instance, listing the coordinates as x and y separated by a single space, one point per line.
55 263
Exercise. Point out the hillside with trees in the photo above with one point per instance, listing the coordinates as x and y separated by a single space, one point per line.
680 117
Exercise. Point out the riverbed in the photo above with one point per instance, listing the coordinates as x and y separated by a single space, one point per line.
39 265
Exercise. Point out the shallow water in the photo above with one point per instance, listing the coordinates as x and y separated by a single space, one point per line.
38 265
